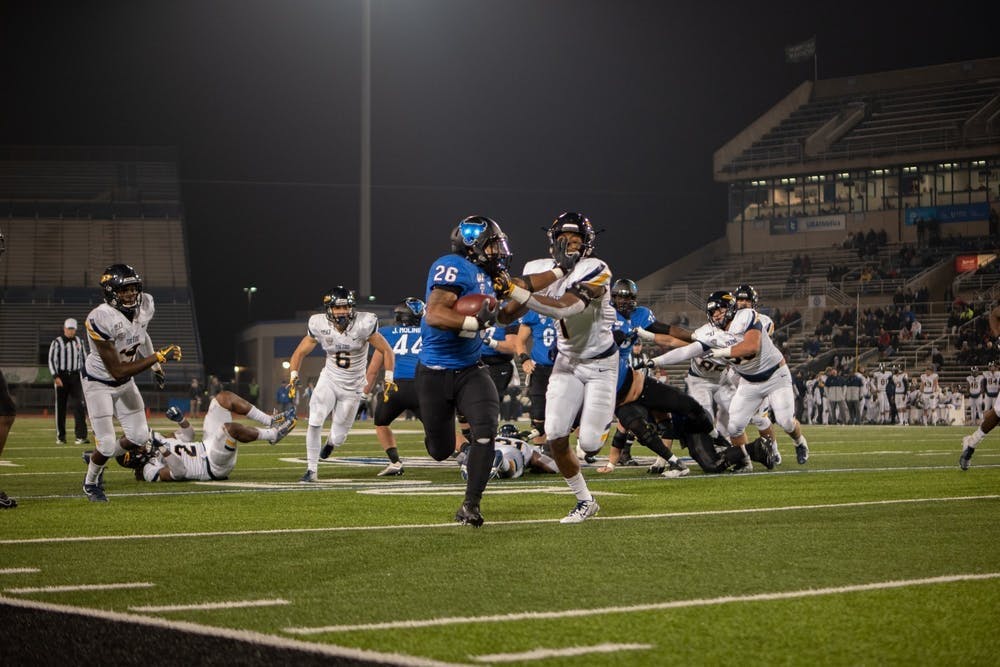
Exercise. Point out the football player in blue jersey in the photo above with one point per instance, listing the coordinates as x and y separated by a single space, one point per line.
403 337
450 376
537 367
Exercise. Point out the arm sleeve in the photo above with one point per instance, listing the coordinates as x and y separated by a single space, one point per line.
557 312
658 328
681 354
146 345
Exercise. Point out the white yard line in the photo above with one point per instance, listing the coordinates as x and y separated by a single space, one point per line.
544 653
81 587
206 606
656 606
19 570
518 522
226 633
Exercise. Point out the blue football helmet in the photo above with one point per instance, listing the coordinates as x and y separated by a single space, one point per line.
409 311
481 241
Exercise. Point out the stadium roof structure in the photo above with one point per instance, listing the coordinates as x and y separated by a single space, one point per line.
926 114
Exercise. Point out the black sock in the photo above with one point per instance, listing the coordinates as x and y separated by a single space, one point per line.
479 464
393 454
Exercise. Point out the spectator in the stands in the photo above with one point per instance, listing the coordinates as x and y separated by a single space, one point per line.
811 347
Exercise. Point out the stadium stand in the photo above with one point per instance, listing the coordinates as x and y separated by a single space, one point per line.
71 211
873 194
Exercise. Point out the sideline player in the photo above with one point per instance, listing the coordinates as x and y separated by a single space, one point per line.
344 335
403 336
116 335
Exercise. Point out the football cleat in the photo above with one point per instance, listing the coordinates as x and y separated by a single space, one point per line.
6 502
775 454
283 429
60 441
278 417
309 477
659 465
802 452
468 515
392 470
584 510
95 493
966 457
676 469
585 456
328 448
82 441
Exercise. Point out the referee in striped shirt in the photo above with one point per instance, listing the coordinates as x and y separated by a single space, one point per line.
65 361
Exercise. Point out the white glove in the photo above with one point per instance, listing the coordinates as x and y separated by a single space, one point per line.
722 352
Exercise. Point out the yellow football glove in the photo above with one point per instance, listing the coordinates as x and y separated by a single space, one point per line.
390 389
503 285
170 352
293 384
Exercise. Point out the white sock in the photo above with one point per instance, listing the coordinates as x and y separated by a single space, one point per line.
672 459
977 437
259 416
312 447
269 434
93 472
578 485
801 440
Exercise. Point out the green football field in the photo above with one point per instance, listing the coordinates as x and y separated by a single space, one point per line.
878 551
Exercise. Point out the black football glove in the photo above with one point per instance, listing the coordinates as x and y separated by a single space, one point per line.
564 260
159 376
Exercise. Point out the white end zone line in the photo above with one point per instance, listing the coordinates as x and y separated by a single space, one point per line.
656 606
19 570
81 587
227 633
208 606
517 522
544 653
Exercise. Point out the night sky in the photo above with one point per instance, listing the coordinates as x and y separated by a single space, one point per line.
516 109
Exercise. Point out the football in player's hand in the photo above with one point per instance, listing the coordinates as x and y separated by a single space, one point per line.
471 303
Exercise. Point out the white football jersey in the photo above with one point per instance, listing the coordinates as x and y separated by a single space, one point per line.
708 368
538 266
914 398
992 381
347 352
517 452
882 379
899 380
193 455
767 358
928 381
975 384
108 323
586 334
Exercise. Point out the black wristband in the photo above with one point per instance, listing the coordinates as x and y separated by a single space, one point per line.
523 357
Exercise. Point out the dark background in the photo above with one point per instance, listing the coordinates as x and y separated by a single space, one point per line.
516 109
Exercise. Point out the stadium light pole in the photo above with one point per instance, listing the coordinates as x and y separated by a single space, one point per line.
365 208
250 292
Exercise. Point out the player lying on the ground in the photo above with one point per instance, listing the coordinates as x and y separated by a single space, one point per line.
181 458
512 456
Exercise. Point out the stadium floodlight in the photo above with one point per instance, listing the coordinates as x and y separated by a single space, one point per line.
250 291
